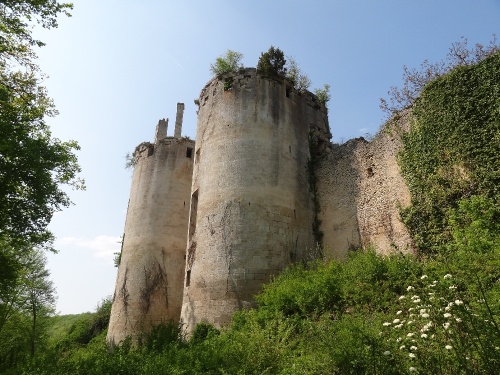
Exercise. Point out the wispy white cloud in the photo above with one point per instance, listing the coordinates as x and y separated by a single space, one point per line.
102 246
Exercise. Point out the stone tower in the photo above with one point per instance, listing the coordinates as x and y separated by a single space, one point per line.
151 272
251 203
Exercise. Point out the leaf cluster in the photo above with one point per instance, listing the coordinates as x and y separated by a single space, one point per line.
230 62
272 63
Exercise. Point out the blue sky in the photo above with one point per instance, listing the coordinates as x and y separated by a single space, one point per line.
116 67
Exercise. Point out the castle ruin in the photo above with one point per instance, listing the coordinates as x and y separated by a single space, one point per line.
210 222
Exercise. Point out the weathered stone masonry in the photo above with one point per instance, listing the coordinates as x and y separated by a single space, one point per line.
209 223
253 212
151 272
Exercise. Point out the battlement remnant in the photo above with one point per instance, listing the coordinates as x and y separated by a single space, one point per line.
178 120
161 130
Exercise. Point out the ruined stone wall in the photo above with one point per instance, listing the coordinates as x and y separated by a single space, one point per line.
151 273
360 190
251 208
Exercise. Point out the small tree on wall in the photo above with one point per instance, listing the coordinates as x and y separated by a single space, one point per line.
300 80
227 63
272 62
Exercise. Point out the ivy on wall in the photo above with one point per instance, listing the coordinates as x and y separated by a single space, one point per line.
452 152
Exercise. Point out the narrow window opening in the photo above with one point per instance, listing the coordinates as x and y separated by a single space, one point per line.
197 158
151 150
189 152
288 91
290 149
188 277
193 213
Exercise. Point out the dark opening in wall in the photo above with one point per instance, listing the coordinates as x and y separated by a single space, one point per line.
188 277
193 214
151 150
370 172
288 91
197 158
189 152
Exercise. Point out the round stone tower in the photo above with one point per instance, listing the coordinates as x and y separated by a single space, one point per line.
252 206
151 271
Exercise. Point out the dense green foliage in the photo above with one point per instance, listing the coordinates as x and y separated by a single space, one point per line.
230 62
33 167
272 62
33 164
451 157
369 315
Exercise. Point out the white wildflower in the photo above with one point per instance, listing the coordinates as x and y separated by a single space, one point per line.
452 287
424 315
409 288
387 352
423 277
447 276
423 335
411 355
402 347
458 302
446 325
448 347
399 312
413 347
458 320
410 334
412 369
395 321
399 326
447 315
386 324
402 297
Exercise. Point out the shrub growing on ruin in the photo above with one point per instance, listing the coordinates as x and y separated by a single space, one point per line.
323 94
300 81
272 62
227 63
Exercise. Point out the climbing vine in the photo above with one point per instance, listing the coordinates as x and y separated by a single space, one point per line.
452 152
313 188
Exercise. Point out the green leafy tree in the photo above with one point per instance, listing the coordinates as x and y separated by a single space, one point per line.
25 308
227 63
323 94
272 62
300 81
33 164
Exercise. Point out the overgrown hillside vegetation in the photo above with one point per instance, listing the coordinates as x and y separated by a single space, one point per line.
371 315
435 313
